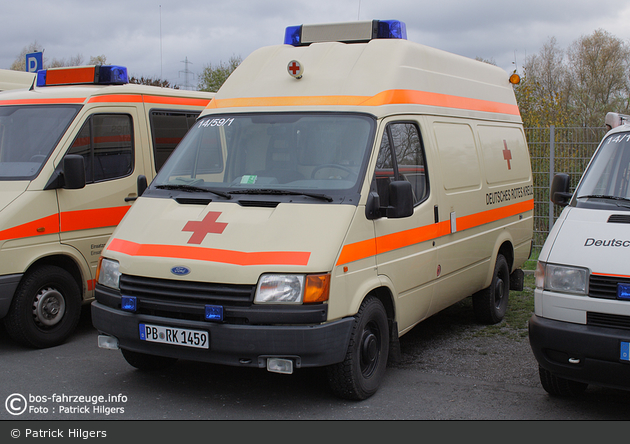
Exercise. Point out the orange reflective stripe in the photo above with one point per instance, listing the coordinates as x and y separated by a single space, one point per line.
46 225
210 254
389 242
390 97
611 275
97 218
68 100
116 98
187 101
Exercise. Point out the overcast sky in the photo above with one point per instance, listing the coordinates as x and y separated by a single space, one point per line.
154 38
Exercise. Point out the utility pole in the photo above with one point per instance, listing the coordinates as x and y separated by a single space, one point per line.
186 73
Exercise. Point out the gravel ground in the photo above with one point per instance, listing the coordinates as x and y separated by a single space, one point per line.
452 343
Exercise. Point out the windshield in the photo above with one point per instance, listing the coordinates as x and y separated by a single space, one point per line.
267 153
28 134
608 175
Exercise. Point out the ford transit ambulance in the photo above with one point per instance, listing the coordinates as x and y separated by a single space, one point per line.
339 189
72 148
580 329
10 79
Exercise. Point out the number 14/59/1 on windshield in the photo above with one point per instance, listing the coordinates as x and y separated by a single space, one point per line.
174 336
215 122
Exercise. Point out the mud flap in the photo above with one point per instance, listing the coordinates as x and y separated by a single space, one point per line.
516 280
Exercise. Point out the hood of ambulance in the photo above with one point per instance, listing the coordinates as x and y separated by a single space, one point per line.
584 238
10 191
156 239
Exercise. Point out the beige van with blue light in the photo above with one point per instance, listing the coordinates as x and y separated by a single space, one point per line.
338 190
72 147
580 330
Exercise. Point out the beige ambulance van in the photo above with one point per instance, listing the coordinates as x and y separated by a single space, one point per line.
338 190
72 148
10 79
580 329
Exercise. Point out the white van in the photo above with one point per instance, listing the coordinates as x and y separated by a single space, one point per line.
72 148
332 196
10 79
580 330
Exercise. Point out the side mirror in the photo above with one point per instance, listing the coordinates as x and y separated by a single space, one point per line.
559 193
400 199
73 172
141 185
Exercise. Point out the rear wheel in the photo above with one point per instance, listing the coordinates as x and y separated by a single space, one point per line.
490 304
360 374
554 385
46 308
142 361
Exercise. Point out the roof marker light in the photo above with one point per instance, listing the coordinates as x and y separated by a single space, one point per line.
349 32
83 75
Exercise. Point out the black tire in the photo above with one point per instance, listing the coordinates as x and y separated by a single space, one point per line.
360 374
556 386
490 304
145 362
45 309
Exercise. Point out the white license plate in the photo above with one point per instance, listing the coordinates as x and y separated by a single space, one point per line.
174 336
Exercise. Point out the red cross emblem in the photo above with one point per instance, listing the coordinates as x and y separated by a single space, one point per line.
295 68
507 155
209 224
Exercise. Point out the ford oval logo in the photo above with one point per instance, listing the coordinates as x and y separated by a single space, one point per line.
180 271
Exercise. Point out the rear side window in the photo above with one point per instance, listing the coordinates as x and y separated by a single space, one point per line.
167 130
106 144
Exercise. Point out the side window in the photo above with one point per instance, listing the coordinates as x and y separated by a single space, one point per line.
106 143
167 129
401 157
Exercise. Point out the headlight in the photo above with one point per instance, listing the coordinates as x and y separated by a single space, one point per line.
292 289
561 278
108 274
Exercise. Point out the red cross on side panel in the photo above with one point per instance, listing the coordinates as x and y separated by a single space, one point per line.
507 155
209 224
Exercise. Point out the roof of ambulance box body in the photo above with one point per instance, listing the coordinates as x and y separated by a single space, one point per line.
371 76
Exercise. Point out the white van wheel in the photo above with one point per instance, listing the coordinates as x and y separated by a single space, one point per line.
46 308
554 385
143 361
490 304
359 375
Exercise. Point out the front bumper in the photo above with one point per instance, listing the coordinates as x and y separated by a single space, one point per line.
238 345
579 352
8 285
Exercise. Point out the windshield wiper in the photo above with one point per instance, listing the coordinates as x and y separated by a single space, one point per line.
283 192
193 189
604 196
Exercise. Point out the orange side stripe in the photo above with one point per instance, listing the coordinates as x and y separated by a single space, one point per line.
390 97
176 100
39 227
117 98
611 275
383 244
210 254
67 100
98 218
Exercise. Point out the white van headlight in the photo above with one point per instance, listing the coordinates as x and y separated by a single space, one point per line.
108 274
561 278
280 289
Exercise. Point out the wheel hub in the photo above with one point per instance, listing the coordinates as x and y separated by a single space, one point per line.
49 307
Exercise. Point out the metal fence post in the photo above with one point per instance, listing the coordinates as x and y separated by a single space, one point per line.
552 162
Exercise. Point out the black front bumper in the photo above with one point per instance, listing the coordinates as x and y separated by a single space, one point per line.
578 352
238 345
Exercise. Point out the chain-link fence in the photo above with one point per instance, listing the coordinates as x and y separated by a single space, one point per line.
556 150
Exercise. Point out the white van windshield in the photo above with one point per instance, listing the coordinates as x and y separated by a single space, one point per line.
298 151
28 134
608 175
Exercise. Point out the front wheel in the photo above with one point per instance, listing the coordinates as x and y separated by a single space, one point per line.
360 374
46 308
490 304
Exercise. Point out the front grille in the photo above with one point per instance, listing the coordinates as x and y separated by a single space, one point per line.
186 291
608 320
605 287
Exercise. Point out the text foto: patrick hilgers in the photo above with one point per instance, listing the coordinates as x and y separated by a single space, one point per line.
58 433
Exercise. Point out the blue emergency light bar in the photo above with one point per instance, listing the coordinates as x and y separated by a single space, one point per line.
350 32
83 75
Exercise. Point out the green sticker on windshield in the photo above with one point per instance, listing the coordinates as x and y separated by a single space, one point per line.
248 179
